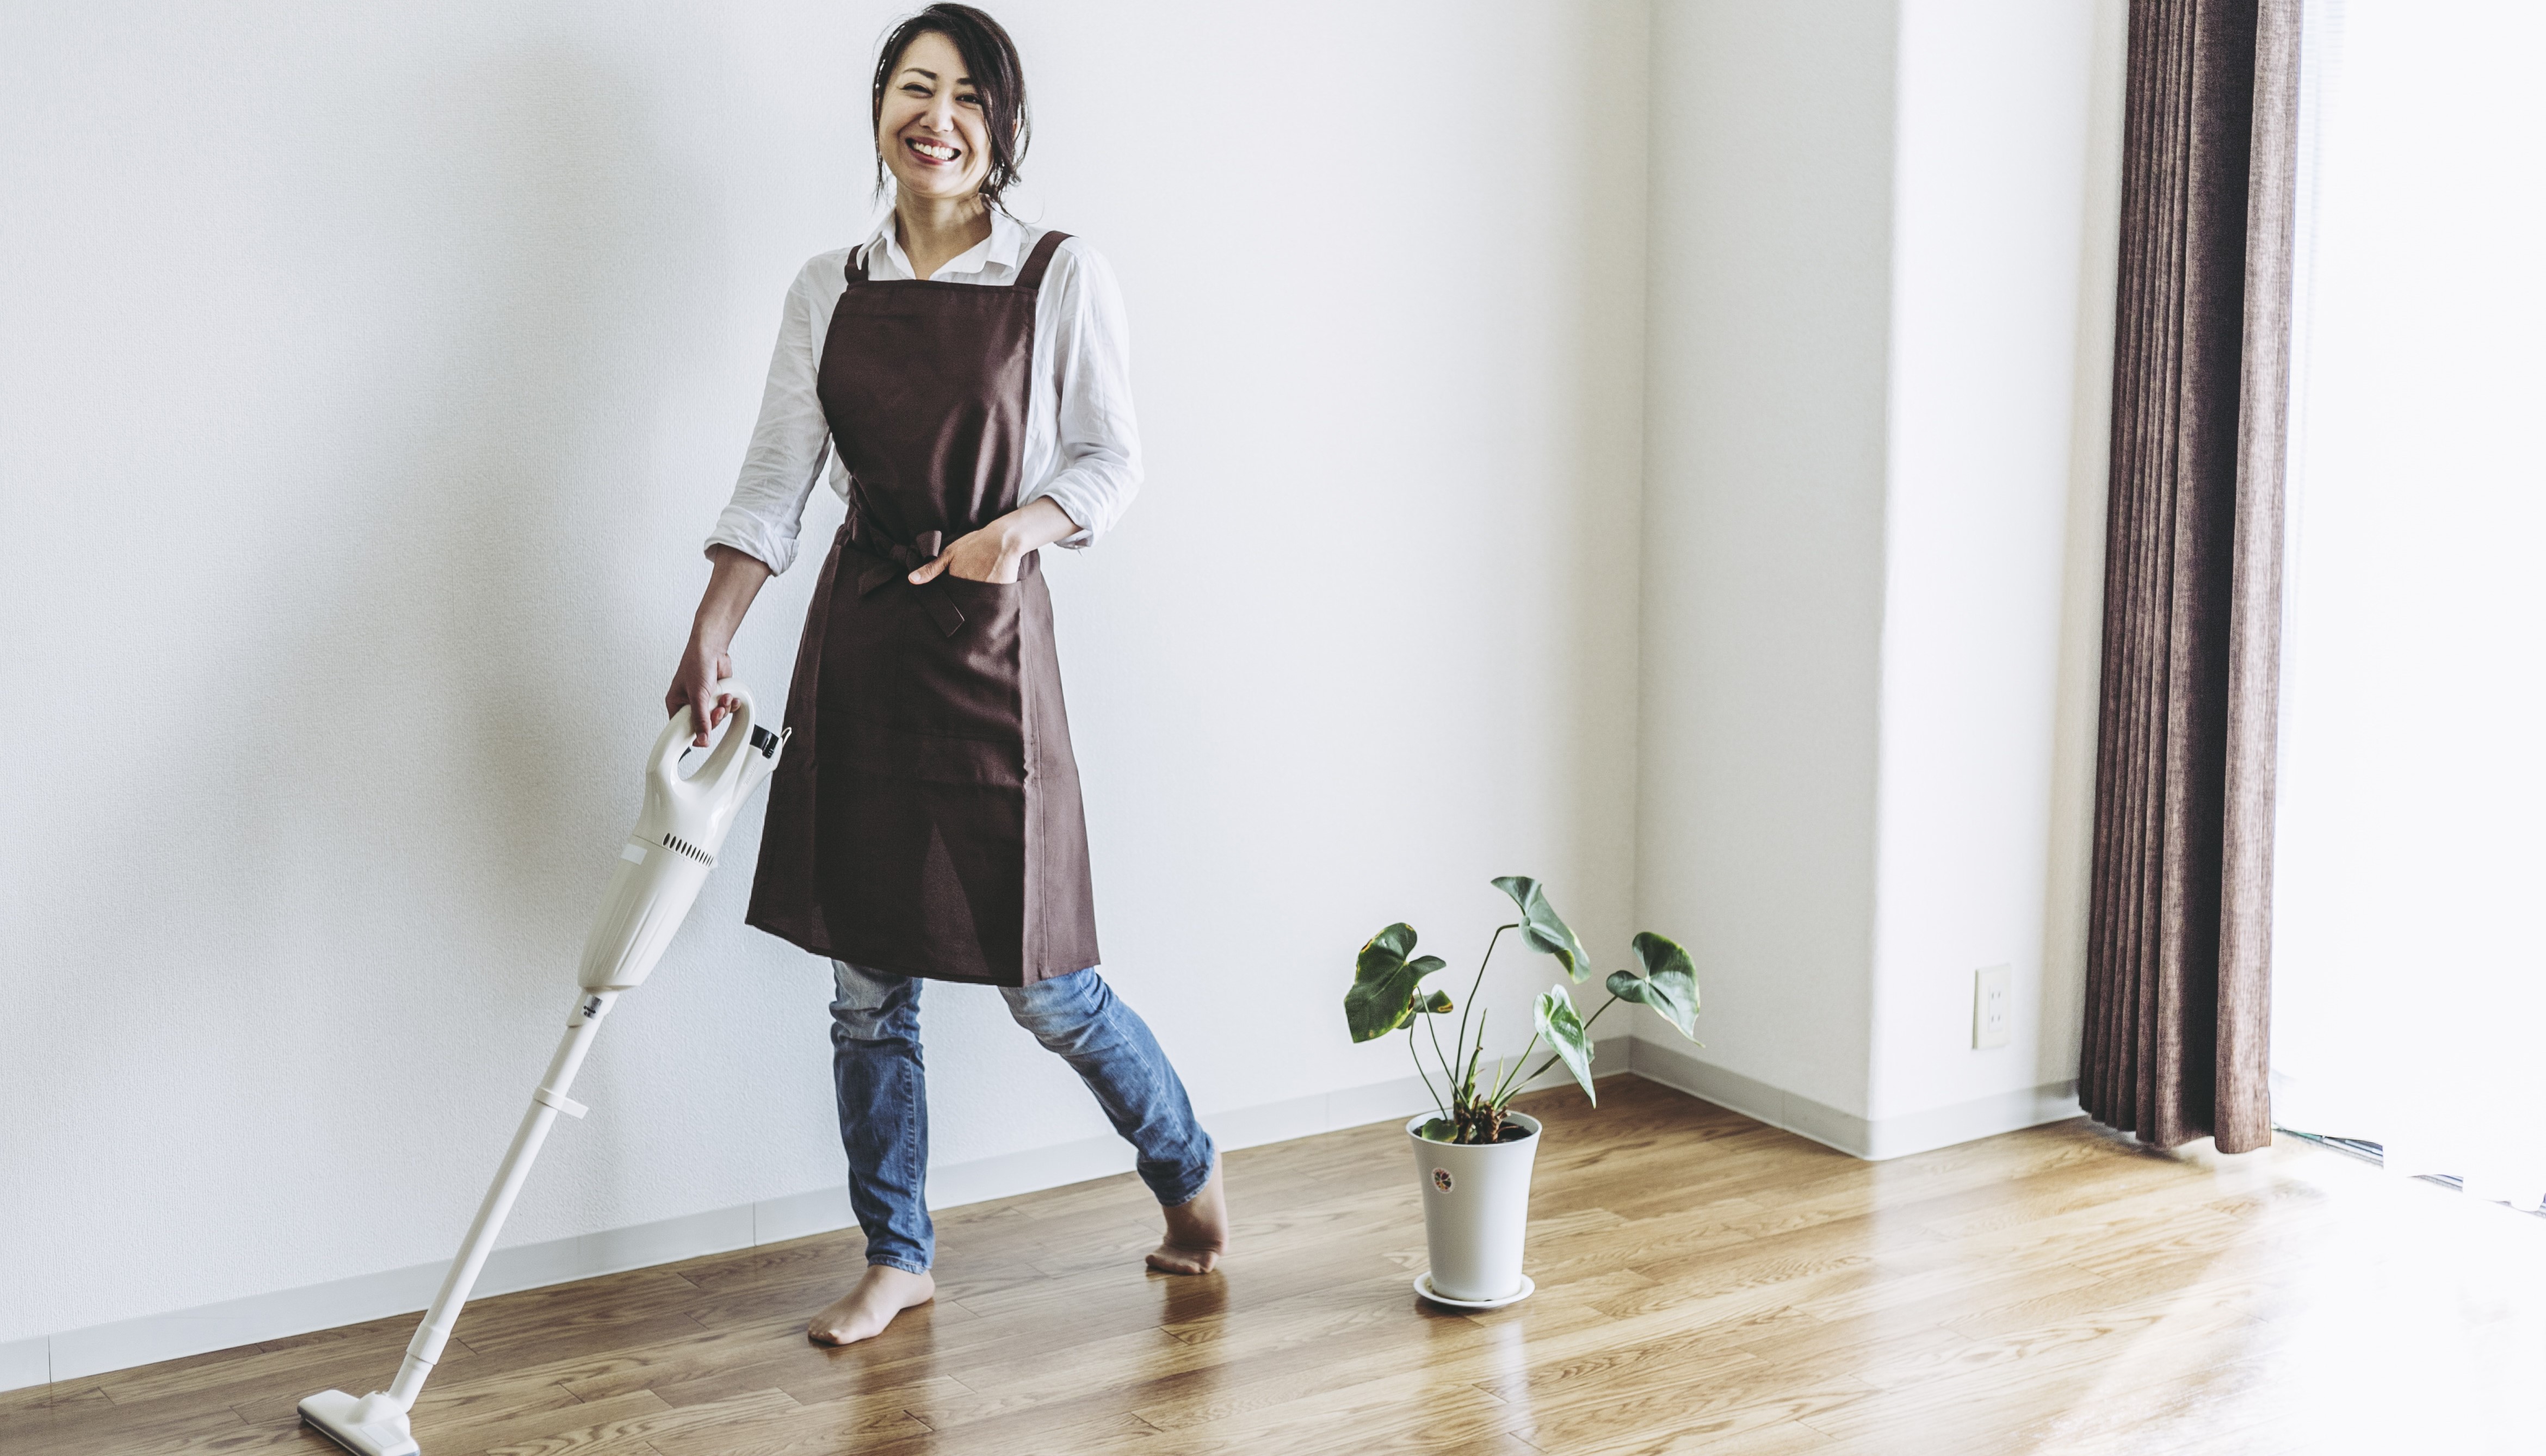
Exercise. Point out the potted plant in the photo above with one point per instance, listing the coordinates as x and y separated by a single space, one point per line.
1472 1154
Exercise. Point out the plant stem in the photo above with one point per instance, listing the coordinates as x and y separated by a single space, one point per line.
1448 1075
1467 1083
1462 1042
1501 1095
1416 1055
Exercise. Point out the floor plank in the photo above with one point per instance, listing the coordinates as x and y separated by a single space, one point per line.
1704 1283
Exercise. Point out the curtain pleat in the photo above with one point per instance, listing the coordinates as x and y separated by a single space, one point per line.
2179 952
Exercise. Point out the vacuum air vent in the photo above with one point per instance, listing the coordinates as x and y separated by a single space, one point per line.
679 845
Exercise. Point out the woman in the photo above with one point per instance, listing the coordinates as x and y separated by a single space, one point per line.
970 376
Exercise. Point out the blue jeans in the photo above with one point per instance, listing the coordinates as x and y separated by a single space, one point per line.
883 1095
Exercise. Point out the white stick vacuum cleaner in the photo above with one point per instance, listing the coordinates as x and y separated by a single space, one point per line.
665 860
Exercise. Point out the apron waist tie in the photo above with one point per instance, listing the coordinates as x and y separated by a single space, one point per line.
904 559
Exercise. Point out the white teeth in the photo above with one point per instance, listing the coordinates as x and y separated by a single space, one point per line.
932 149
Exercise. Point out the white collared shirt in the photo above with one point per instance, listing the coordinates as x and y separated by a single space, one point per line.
1082 446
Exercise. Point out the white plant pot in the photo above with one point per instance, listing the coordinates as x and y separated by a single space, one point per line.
1475 1210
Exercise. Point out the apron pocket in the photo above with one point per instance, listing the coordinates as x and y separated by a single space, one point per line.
887 665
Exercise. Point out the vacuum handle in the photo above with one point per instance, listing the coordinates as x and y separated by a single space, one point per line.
711 777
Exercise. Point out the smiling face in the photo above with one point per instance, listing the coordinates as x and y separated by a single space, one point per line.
932 133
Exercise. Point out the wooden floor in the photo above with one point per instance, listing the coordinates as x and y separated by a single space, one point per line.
1704 1284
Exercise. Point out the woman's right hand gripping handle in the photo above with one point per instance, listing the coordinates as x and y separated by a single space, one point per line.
705 662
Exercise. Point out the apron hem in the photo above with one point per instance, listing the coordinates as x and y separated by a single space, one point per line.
812 945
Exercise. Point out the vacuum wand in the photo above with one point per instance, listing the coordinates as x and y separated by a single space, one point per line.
660 870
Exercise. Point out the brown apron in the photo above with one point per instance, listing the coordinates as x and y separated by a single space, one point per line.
925 819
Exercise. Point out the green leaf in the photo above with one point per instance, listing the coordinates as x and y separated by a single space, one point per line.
1669 984
1562 1025
1383 983
1385 950
1660 993
1436 1003
1542 927
1441 1129
1381 997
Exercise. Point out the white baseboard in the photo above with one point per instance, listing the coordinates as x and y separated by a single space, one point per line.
1870 1138
1775 1106
1982 1117
73 1354
26 1362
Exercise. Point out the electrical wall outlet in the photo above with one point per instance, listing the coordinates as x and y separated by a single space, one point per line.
1990 1008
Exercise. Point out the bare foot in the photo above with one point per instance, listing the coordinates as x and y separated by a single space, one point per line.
863 1312
1197 1232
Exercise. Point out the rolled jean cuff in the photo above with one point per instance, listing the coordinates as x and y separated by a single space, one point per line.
892 1261
1188 1188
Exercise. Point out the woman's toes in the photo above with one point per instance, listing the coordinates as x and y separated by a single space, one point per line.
864 1311
1167 1258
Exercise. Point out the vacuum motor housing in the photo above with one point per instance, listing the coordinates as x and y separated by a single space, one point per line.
668 854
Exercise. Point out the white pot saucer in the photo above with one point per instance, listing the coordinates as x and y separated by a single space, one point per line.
1423 1287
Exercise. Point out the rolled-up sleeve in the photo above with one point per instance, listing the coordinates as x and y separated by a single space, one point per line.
1099 440
787 446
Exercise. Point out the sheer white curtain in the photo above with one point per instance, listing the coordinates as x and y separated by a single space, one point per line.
2410 904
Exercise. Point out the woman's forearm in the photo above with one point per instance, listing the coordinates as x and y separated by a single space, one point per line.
735 580
1038 522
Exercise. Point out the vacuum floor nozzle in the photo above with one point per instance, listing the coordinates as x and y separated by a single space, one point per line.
340 1417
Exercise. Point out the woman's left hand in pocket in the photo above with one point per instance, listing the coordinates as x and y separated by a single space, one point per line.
992 552
981 556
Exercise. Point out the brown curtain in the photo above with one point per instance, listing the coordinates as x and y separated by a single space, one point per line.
2178 959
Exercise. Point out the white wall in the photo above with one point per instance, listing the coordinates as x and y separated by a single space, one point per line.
368 378
1875 410
2007 201
1763 541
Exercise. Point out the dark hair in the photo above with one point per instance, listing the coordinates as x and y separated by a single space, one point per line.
998 79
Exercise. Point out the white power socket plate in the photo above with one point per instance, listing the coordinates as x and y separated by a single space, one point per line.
1991 994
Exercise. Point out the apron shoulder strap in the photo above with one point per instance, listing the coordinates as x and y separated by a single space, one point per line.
856 272
1031 275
